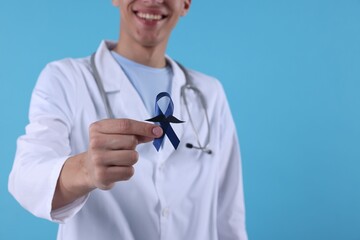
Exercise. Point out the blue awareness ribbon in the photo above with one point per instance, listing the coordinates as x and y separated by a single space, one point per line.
164 120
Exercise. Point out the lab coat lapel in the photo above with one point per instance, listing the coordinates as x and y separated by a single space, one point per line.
177 82
126 103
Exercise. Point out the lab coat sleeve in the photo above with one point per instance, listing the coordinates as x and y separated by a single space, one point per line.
231 209
44 148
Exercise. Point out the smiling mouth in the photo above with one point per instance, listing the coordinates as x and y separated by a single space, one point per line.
150 16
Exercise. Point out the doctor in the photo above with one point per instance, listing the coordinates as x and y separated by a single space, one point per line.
101 177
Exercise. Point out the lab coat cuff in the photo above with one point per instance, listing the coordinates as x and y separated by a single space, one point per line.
61 215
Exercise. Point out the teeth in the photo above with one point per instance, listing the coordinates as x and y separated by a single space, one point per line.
149 16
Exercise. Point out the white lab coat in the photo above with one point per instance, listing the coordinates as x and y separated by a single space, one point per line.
174 194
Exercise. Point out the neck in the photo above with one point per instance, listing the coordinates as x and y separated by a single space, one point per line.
149 56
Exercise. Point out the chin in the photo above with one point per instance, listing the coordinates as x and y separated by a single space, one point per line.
150 43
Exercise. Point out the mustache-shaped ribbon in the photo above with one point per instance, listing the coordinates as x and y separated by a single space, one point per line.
164 120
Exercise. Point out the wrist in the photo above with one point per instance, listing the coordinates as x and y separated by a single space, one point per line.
85 181
73 182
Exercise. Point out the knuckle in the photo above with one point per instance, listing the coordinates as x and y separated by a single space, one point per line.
94 127
106 186
125 125
128 173
134 157
97 158
133 142
95 142
100 175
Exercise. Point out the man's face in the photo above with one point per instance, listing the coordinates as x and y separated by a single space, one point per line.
149 22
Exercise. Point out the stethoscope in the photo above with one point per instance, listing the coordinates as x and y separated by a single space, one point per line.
187 86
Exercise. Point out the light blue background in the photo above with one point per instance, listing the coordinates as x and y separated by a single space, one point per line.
291 70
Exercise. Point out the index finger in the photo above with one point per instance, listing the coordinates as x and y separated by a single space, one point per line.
128 127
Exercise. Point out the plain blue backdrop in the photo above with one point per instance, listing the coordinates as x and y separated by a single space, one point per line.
291 69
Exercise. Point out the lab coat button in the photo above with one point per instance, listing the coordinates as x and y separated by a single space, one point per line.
161 167
165 212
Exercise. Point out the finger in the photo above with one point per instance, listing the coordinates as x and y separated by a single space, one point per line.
116 141
119 173
101 141
119 158
127 126
108 176
143 139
